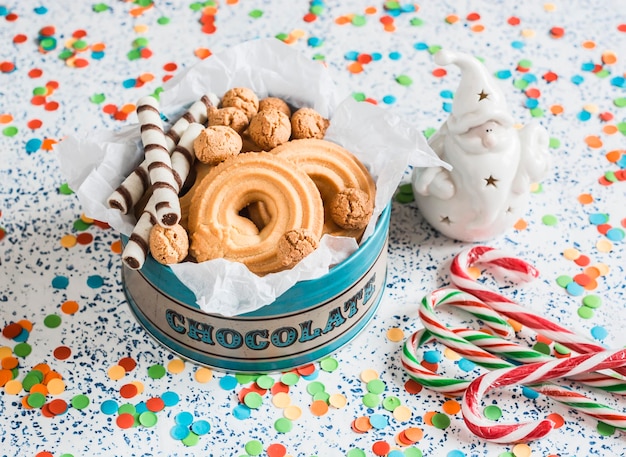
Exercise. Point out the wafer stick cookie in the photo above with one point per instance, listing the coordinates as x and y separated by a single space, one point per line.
138 245
164 184
534 373
130 191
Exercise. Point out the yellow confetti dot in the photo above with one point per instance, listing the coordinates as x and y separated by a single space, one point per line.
139 385
451 355
516 325
604 245
603 268
571 253
522 450
86 219
591 108
176 366
5 351
395 334
528 33
281 400
56 386
549 7
402 413
68 241
292 412
13 387
368 375
141 28
298 33
473 272
203 375
337 400
116 372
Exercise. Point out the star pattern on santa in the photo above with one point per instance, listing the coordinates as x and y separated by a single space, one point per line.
491 181
483 95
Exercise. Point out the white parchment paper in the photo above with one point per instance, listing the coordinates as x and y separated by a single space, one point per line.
95 163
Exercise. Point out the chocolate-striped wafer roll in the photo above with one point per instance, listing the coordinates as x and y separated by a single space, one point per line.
183 155
136 250
164 184
130 191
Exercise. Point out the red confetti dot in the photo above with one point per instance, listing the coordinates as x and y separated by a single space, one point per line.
34 124
7 67
128 390
439 72
127 363
473 16
57 406
279 387
309 17
620 175
166 78
582 260
44 454
606 116
413 387
62 353
533 93
48 30
11 330
582 279
52 85
155 404
364 58
386 20
604 182
19 38
623 222
306 370
276 450
604 228
381 448
79 33
109 109
125 420
120 116
209 28
35 73
146 53
51 106
371 100
557 32
621 27
550 76
514 20
171 66
11 17
81 63
84 238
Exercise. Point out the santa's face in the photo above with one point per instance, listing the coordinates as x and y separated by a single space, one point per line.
490 137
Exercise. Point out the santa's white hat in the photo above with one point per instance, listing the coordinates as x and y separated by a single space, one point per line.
478 98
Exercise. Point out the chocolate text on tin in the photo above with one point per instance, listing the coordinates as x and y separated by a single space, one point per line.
281 337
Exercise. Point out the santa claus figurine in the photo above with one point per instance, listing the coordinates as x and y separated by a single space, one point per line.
493 162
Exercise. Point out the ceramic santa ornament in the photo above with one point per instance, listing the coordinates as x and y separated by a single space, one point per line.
493 162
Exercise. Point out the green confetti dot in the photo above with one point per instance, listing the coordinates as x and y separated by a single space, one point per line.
549 220
65 54
324 396
554 142
434 49
283 425
358 20
255 14
140 42
356 452
156 371
405 198
315 387
22 349
190 440
66 455
148 419
80 401
506 454
585 312
100 7
564 280
253 400
359 96
592 301
245 378
524 63
289 379
196 6
622 127
281 36
492 412
413 452
602 73
40 91
620 102
79 45
9 131
319 57
97 98
29 381
127 408
254 447
542 347
317 9
371 400
440 421
329 364
559 348
376 386
80 225
605 429
430 131
134 54
36 400
404 80
537 112
416 22
610 176
391 403
163 20
52 320
406 189
65 189
520 84
265 381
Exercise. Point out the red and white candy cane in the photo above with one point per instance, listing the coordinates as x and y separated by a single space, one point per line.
490 257
136 250
535 373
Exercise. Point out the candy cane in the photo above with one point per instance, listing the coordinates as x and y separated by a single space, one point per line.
537 373
461 278
136 250
130 191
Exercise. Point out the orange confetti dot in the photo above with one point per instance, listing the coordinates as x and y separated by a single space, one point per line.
128 108
477 28
452 18
389 28
98 47
609 57
414 434
543 339
343 20
585 199
451 407
116 247
473 272
355 67
48 143
361 424
588 44
6 118
610 129
68 241
371 10
69 307
202 53
39 388
428 417
521 224
517 327
557 419
319 408
430 366
556 109
593 141
614 156
592 272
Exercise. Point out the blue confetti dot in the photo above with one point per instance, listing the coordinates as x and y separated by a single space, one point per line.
109 407
241 412
575 289
394 12
33 145
228 382
598 218
376 56
503 74
588 66
141 407
529 393
379 421
200 427
311 377
184 418
351 55
615 234
432 356
22 337
170 398
3 10
408 8
455 453
529 77
447 107
622 161
395 55
60 282
577 79
314 42
395 453
584 115
517 44
95 281
179 432
420 46
97 55
129 83
619 81
599 333
531 103
389 99
466 365
40 10
448 94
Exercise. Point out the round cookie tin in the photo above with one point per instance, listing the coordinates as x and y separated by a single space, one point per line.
306 323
